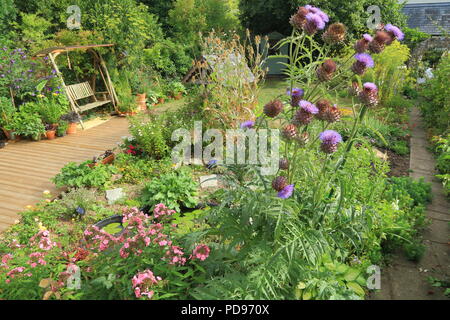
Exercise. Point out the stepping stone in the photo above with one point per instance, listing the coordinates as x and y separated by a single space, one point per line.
114 195
211 181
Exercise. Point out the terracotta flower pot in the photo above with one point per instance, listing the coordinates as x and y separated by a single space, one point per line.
109 159
178 96
142 101
72 128
51 134
8 133
161 100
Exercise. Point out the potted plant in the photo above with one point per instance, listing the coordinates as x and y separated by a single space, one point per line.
72 118
62 128
127 107
50 131
7 111
27 125
177 89
152 97
105 158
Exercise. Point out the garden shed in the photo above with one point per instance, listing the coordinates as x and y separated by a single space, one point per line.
82 96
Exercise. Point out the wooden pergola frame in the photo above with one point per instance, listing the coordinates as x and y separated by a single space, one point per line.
73 90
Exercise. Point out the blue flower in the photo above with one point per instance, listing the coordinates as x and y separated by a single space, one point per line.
80 211
211 164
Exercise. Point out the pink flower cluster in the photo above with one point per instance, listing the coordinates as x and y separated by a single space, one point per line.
201 252
43 241
36 258
16 271
161 211
5 260
143 282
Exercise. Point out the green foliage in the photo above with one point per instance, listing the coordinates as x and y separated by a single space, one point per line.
419 192
7 111
436 112
441 145
135 169
26 124
413 36
390 72
175 189
265 16
81 175
67 206
34 29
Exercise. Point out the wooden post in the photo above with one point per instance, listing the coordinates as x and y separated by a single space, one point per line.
115 100
59 74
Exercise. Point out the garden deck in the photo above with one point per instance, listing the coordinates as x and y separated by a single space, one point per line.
26 167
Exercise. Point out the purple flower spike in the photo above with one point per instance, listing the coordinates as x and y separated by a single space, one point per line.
308 107
395 31
330 136
286 192
365 59
247 124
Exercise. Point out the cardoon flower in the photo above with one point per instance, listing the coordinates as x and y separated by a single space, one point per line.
273 108
363 44
305 114
289 131
369 94
314 23
394 32
363 61
332 114
380 40
319 12
330 140
283 164
302 138
296 95
335 33
279 183
322 105
298 20
286 192
247 124
355 89
326 70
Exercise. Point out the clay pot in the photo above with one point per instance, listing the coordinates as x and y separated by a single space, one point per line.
51 134
109 159
72 128
8 133
178 96
142 101
160 100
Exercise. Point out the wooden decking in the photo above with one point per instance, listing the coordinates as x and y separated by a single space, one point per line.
26 167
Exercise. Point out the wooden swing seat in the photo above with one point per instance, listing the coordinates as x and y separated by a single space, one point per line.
83 90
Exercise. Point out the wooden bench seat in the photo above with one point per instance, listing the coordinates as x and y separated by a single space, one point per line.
81 91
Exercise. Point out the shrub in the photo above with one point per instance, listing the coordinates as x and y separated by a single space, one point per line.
7 111
436 112
81 175
135 169
175 189
75 203
26 124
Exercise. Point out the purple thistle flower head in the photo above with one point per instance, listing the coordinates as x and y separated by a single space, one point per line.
286 192
308 107
367 37
295 92
247 124
365 59
319 12
370 86
330 136
316 20
395 31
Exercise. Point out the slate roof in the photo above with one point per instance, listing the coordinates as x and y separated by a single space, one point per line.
426 16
